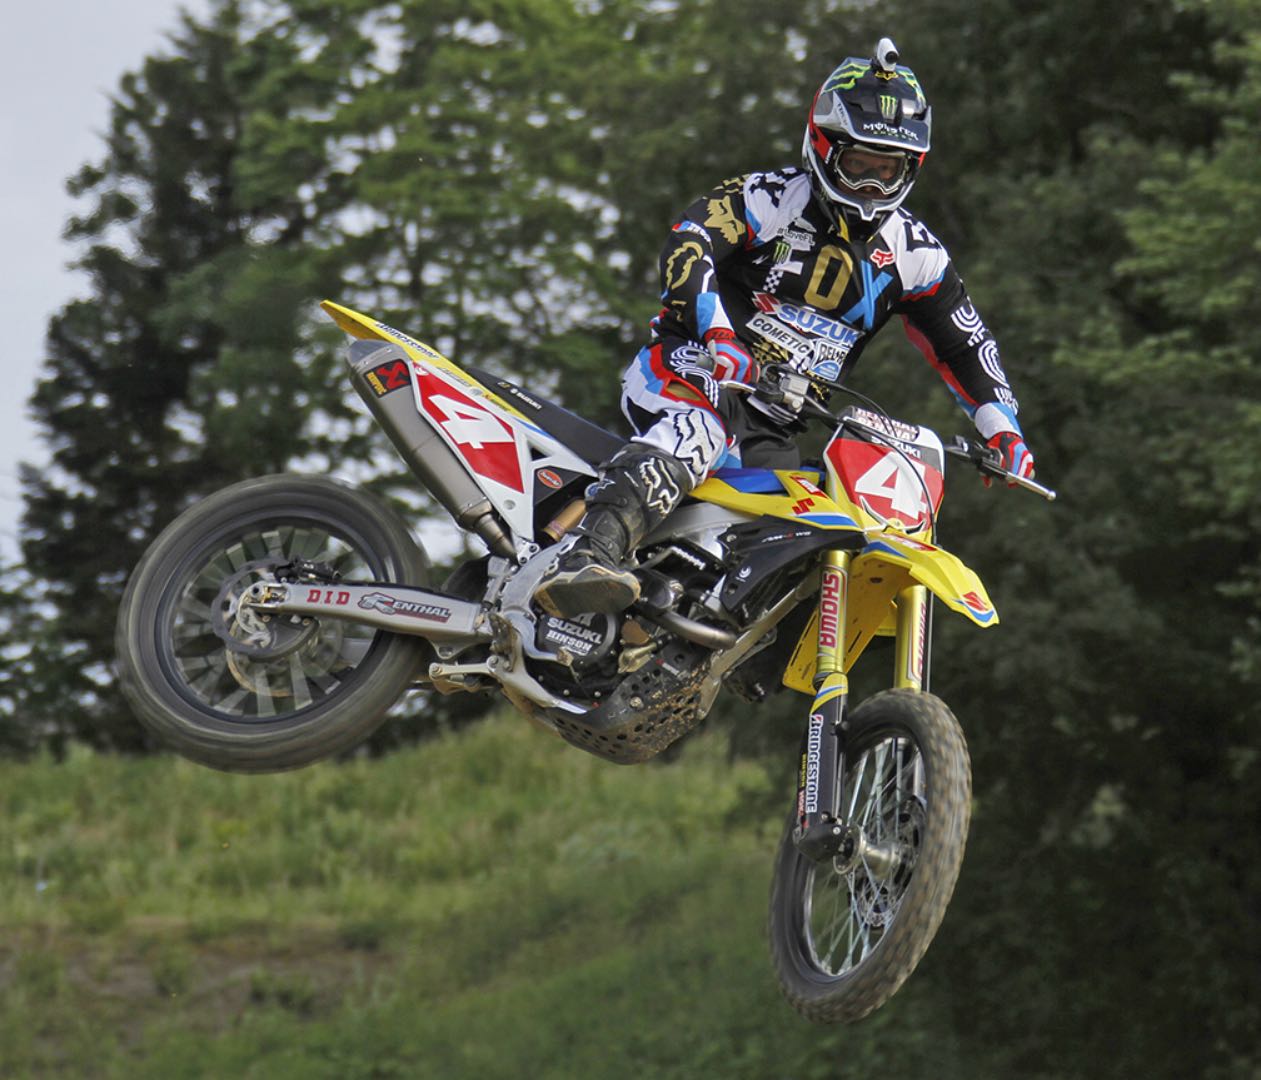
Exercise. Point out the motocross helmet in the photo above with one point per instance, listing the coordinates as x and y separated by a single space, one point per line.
866 138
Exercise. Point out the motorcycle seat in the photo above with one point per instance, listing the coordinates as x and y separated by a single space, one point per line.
589 441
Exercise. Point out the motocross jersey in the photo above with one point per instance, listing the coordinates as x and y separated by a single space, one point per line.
757 257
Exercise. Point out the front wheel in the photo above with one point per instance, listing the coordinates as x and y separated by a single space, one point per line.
324 687
846 933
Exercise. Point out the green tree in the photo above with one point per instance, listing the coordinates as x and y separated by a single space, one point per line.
470 172
179 373
1108 889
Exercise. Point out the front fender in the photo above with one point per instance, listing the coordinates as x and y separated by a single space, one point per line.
889 563
943 574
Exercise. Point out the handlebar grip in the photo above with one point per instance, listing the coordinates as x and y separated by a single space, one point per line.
987 462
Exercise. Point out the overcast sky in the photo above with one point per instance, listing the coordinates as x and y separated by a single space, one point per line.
64 59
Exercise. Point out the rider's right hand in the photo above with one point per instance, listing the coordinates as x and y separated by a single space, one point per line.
731 359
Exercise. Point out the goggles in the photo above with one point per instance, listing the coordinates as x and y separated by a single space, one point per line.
870 173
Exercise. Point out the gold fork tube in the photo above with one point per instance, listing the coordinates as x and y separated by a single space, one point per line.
911 652
833 598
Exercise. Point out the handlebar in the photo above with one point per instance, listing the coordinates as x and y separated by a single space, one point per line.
988 463
782 386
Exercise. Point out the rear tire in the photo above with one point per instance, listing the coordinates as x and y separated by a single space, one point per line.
845 935
328 691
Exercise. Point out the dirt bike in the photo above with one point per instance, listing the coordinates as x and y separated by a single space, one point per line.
276 622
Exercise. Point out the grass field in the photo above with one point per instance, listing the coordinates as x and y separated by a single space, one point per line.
491 904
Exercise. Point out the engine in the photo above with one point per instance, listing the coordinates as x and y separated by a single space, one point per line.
644 683
582 642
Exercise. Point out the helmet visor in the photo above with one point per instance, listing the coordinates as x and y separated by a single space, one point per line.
872 174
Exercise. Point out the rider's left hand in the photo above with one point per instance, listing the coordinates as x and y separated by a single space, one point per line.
1014 455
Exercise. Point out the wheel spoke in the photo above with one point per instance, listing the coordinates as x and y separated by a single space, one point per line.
350 566
855 786
193 643
233 701
195 609
864 941
206 682
274 546
875 802
847 914
326 683
243 687
837 921
235 555
266 704
354 649
298 680
855 928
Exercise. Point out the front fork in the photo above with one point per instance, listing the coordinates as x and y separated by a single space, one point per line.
822 829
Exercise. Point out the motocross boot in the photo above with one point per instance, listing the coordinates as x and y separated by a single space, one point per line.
637 489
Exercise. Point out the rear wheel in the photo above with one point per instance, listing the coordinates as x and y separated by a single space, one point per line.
846 933
197 677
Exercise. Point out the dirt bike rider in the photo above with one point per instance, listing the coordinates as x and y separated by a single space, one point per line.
798 266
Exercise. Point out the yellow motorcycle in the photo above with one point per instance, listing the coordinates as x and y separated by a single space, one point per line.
276 622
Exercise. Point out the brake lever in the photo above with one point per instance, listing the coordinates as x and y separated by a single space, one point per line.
773 395
818 412
968 450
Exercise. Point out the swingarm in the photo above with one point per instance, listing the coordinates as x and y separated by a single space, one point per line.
274 617
403 609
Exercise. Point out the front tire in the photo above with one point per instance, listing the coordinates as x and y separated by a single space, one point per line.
846 933
333 683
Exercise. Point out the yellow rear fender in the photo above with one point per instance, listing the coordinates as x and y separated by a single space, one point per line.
366 328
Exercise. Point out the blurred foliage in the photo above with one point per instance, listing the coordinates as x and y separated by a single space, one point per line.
417 917
497 176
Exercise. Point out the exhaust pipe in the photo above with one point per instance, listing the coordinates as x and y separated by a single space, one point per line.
377 370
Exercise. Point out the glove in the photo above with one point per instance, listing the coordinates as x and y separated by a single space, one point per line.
731 359
1013 454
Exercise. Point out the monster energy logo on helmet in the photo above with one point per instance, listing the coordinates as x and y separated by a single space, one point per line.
887 69
845 76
